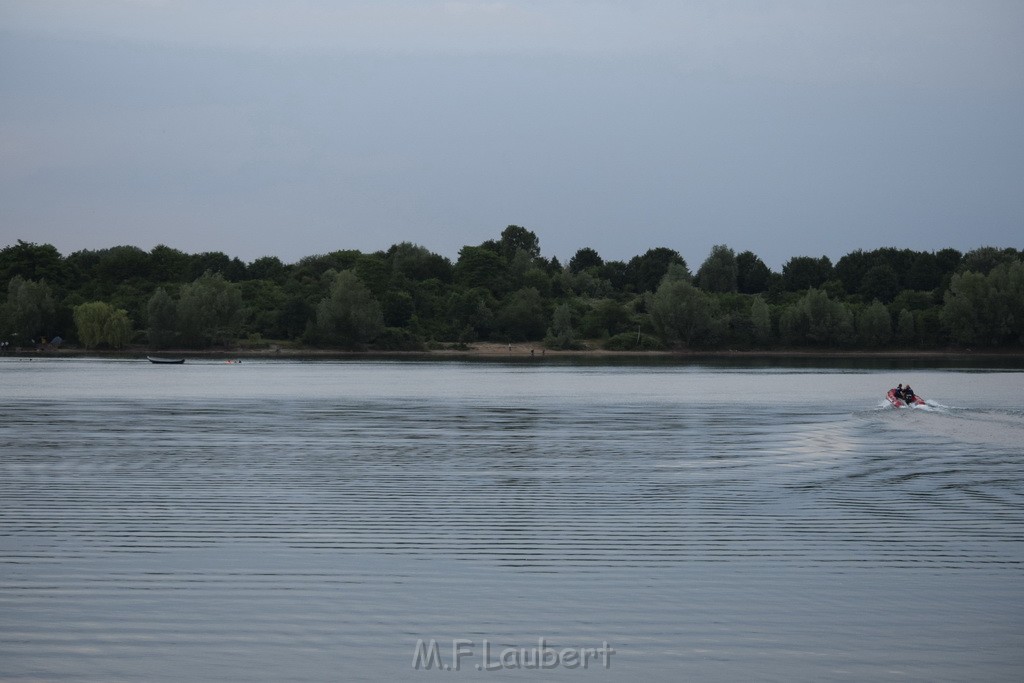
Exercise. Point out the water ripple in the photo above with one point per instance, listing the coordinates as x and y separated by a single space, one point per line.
145 526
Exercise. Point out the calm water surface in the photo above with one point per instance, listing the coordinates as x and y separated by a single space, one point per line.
313 521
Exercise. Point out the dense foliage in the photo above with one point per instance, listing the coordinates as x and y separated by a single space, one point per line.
504 290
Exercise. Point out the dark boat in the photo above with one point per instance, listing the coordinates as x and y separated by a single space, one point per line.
165 361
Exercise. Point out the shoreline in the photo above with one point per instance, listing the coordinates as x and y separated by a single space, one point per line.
526 351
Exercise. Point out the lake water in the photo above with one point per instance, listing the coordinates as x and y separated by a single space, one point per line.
324 521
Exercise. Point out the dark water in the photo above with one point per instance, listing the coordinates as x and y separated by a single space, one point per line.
314 521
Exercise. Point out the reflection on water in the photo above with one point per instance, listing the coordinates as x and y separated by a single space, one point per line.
311 521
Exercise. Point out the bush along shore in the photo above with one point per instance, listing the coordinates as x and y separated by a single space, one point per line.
503 297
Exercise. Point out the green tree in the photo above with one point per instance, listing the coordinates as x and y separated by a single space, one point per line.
804 272
349 315
267 268
905 327
681 313
98 323
1007 283
924 273
91 322
539 279
760 321
31 262
880 282
471 314
30 308
963 310
913 301
162 315
606 318
561 334
311 268
123 263
850 269
515 238
481 267
296 313
874 326
119 328
520 263
584 259
948 261
522 316
374 271
417 264
232 269
169 265
676 272
816 319
397 308
644 273
719 271
986 310
984 259
616 273
209 310
262 304
584 284
752 275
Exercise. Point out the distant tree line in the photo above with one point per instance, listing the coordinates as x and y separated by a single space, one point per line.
504 290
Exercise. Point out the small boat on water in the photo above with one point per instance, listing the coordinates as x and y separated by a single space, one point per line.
165 361
899 401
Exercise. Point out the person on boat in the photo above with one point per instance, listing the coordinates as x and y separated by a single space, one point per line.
908 394
899 390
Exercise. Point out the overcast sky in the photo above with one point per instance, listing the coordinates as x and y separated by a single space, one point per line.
294 128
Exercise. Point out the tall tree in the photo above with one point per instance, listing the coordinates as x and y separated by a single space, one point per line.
208 310
349 315
100 323
90 321
752 275
986 310
645 272
124 263
232 269
267 268
817 320
522 315
874 326
804 272
681 313
119 328
905 327
30 308
984 259
585 258
169 265
515 238
719 271
31 262
481 267
760 321
963 311
880 282
607 317
561 335
417 263
470 313
162 315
